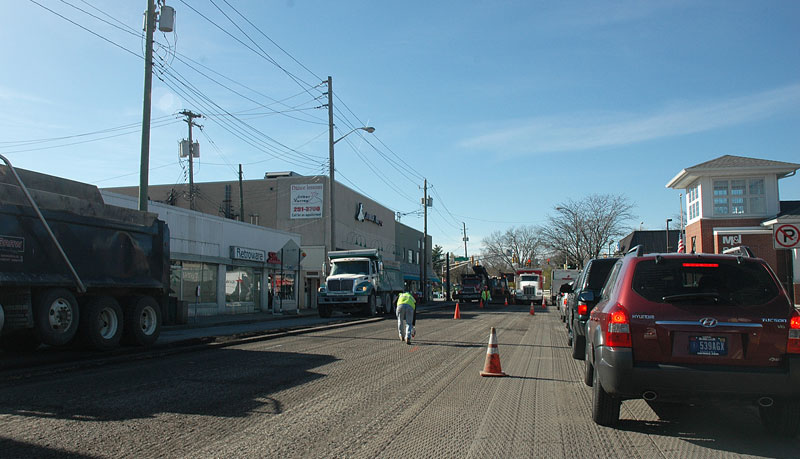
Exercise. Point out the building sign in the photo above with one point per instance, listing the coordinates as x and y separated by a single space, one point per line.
273 258
243 253
364 216
786 236
306 201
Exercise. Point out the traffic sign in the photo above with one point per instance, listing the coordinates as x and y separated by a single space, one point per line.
786 236
461 259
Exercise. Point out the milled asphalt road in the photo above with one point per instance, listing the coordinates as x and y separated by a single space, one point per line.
357 391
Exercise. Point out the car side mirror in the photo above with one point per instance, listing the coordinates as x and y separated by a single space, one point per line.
586 296
565 288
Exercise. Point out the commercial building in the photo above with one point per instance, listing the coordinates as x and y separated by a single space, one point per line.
222 266
298 204
734 200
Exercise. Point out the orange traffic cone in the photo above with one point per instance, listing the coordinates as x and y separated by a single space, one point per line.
533 312
492 365
480 305
544 303
457 314
506 302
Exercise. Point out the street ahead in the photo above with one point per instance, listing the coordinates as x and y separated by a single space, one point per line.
359 391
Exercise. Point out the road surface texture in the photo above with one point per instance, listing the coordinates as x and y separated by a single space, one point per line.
360 392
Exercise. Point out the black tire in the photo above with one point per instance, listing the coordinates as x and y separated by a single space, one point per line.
605 407
142 321
370 309
101 323
578 347
782 418
20 341
324 310
56 316
588 370
387 304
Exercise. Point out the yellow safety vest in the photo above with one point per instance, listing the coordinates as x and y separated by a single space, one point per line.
406 298
485 295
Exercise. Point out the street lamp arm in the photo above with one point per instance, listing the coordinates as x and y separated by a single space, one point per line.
369 129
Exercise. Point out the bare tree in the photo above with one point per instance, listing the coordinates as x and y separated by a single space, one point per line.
504 251
582 229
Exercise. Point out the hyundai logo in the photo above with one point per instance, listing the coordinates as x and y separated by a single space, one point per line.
708 322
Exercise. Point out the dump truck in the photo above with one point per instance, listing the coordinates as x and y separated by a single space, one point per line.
471 287
528 285
359 282
73 268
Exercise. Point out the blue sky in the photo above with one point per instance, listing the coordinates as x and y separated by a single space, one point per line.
507 107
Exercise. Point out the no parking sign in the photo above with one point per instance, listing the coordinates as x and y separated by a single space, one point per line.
786 236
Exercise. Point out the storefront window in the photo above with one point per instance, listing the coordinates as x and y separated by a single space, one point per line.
194 275
284 286
239 285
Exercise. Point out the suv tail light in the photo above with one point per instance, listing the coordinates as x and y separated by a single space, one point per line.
793 344
619 329
583 308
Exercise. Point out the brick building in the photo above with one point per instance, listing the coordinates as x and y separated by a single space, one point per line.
734 200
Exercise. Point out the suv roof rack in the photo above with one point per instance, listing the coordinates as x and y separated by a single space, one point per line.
638 250
742 251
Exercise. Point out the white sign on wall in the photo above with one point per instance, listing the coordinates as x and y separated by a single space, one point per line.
306 201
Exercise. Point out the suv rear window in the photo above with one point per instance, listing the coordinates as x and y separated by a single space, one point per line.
598 273
723 281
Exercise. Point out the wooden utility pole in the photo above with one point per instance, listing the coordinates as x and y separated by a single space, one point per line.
189 117
425 244
144 162
331 179
241 196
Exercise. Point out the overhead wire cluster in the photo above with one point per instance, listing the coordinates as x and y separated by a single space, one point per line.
183 75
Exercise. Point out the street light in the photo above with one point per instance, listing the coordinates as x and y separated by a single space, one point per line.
668 220
577 234
369 129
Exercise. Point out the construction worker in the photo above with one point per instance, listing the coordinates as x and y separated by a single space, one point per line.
486 296
405 316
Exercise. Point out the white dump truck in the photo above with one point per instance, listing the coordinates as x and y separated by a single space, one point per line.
359 282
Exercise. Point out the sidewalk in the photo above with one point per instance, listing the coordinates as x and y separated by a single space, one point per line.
236 324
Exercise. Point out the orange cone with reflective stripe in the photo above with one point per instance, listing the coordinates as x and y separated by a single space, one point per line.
506 303
457 314
544 303
492 365
533 312
480 305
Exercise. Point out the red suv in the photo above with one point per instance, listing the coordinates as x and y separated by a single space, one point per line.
692 328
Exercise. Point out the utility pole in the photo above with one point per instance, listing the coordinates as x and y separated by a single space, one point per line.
189 117
668 220
331 178
144 162
447 292
425 245
241 196
465 239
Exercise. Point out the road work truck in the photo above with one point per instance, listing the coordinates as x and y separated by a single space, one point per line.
75 269
528 285
359 282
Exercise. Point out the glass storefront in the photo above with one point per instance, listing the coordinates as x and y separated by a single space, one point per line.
187 276
240 286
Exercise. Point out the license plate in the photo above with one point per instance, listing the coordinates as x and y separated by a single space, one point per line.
708 345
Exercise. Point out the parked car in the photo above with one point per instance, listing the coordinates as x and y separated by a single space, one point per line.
561 300
591 279
694 328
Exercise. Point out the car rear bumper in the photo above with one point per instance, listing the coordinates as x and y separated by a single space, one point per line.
673 382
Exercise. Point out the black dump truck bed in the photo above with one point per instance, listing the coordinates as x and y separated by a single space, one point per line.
120 256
